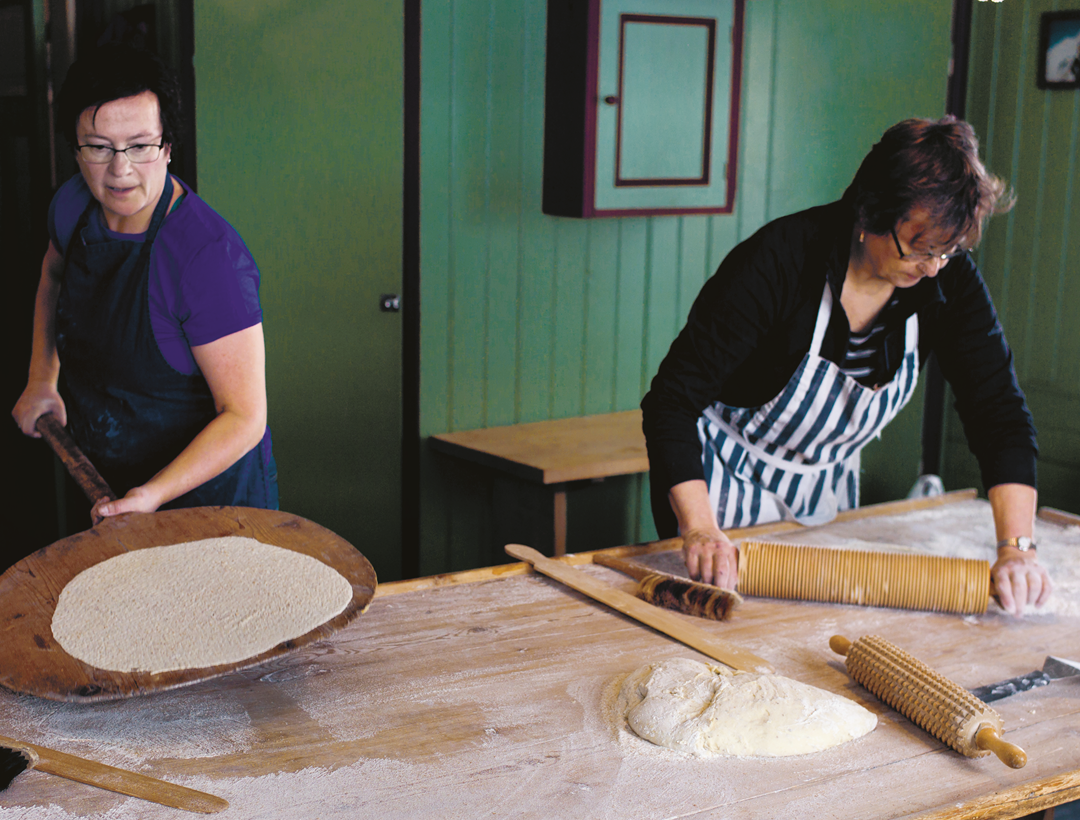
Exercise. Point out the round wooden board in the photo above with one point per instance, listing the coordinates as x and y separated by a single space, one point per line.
32 662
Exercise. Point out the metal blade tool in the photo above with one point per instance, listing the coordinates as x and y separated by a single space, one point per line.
1053 669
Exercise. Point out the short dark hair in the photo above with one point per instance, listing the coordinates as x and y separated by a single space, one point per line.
930 164
112 72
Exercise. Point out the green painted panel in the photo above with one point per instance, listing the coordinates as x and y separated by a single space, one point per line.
663 80
657 69
504 182
843 73
693 269
299 138
631 378
601 311
662 320
755 121
1031 256
568 318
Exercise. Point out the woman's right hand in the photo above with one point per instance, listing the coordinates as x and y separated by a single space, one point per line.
711 558
36 400
709 555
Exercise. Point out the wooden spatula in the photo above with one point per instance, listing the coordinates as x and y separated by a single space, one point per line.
122 781
661 620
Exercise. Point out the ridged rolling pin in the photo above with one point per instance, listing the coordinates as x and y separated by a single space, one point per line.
930 700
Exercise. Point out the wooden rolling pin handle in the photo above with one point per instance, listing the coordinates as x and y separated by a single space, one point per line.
1010 754
839 644
77 464
635 571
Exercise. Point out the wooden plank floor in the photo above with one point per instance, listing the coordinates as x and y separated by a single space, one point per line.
490 699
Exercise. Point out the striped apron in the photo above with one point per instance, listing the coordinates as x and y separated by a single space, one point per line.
797 457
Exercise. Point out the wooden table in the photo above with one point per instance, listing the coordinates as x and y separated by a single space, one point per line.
485 694
554 453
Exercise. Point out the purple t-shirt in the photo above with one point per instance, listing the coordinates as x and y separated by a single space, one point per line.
203 282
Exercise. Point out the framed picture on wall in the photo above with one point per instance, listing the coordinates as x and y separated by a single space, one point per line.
1059 50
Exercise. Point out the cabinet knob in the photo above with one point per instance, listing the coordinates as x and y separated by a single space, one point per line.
611 99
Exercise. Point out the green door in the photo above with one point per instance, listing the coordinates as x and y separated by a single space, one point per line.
300 148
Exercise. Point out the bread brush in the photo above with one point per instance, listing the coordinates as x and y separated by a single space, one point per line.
14 762
16 757
673 592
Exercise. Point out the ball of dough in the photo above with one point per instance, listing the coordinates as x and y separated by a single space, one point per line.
702 709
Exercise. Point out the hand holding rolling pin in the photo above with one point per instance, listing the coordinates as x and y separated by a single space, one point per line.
1017 577
1019 580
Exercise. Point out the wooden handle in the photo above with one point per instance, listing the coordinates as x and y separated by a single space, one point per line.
839 644
659 619
121 781
1054 516
77 464
1011 755
635 570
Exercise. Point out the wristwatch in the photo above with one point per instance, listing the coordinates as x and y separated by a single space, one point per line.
1021 542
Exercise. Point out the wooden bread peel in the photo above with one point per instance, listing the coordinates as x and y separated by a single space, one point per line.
659 619
673 592
34 663
930 700
122 781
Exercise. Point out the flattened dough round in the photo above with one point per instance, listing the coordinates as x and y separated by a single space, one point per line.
694 707
193 605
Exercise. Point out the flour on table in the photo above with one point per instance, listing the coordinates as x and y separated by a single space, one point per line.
698 708
193 605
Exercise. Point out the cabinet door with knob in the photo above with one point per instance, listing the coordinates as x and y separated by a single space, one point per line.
641 106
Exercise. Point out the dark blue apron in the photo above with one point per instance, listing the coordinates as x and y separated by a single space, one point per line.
128 409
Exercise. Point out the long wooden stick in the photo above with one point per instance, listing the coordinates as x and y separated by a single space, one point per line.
77 464
1066 519
659 619
122 781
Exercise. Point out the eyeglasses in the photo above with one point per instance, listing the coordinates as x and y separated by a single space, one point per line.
925 257
101 154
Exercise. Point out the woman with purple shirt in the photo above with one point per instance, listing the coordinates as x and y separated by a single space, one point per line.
148 335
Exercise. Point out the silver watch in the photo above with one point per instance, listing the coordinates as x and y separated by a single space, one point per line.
1021 542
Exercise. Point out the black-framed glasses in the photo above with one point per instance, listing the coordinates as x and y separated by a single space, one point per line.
922 256
101 154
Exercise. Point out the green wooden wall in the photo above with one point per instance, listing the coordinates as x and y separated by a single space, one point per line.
529 317
1031 257
300 146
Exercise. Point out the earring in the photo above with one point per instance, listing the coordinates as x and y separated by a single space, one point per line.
862 234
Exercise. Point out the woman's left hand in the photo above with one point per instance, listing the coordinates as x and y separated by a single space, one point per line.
1019 580
138 499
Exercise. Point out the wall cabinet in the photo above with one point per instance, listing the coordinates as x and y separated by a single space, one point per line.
641 106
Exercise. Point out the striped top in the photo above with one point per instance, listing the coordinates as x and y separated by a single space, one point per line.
863 361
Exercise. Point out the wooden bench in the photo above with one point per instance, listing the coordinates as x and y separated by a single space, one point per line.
554 453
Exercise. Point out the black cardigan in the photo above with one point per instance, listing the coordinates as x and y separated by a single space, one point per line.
754 320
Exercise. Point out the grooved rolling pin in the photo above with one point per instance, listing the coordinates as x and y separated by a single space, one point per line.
930 700
902 580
